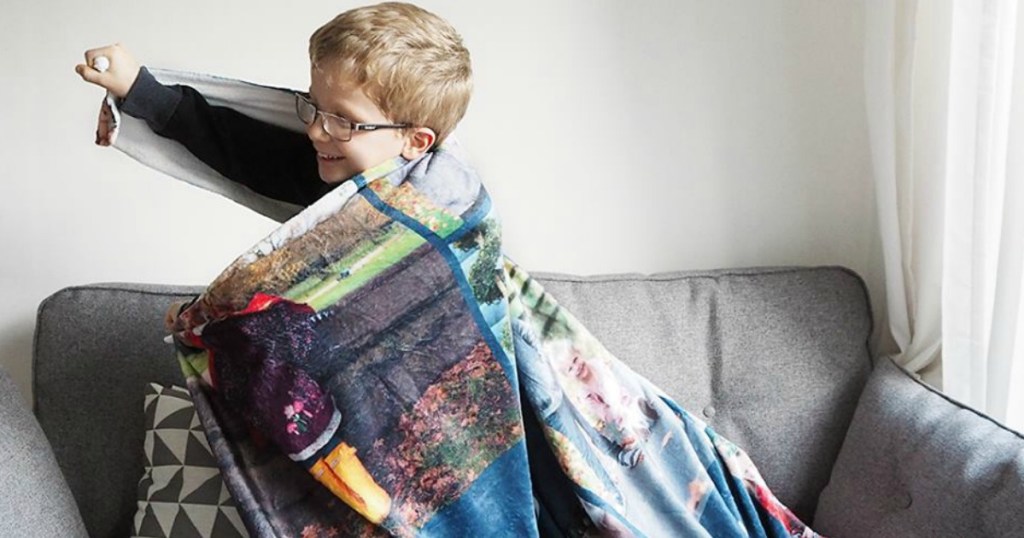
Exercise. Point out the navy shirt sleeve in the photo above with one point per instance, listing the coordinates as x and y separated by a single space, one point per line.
270 160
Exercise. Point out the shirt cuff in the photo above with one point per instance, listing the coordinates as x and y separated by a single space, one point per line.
151 101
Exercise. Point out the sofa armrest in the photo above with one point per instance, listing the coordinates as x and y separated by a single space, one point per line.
34 498
916 463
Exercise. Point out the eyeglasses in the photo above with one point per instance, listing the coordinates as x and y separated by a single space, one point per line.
336 126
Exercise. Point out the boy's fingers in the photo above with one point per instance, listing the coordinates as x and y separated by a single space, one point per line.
92 54
87 73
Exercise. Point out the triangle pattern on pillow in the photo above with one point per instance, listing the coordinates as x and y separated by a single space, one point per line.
194 479
167 406
229 524
165 514
168 491
225 496
179 420
144 486
162 454
198 451
206 493
181 493
202 517
175 391
150 410
147 525
147 447
183 527
176 441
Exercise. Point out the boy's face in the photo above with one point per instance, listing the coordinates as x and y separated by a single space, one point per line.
338 161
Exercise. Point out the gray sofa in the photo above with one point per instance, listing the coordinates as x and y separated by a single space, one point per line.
776 359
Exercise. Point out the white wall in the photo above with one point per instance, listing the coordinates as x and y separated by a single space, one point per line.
614 137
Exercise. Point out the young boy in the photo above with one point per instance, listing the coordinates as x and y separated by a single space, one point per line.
392 81
366 104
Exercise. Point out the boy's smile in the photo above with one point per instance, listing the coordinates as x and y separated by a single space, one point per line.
339 160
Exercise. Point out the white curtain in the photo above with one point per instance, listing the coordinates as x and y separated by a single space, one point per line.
944 87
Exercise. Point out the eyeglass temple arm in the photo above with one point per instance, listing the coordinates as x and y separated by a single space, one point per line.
375 126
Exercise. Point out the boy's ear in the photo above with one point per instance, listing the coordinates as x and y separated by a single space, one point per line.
418 141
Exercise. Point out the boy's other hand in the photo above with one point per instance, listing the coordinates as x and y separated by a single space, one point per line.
119 76
171 321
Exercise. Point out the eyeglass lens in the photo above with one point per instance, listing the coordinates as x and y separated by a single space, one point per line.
335 126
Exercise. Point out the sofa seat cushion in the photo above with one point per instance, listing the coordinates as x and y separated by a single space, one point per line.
916 463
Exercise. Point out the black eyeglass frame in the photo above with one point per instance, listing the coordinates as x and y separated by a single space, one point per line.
301 99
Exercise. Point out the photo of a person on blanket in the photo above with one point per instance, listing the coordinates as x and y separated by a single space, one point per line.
377 365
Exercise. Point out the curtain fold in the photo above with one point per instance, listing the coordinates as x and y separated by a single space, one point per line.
889 79
944 91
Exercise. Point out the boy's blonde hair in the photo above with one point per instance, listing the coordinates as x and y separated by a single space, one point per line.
410 62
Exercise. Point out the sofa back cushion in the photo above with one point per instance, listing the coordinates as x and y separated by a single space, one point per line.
773 358
96 349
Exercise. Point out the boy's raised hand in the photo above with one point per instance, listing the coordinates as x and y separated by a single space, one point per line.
119 76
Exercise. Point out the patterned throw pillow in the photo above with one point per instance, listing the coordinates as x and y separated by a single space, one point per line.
181 494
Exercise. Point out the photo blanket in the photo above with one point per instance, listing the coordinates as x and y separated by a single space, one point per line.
378 366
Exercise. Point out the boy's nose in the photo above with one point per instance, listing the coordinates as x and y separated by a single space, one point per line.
315 130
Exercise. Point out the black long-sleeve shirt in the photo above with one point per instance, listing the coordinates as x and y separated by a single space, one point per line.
270 160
